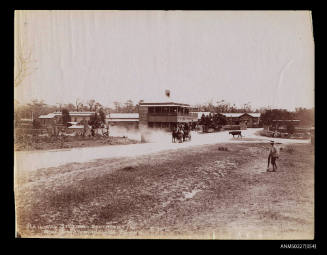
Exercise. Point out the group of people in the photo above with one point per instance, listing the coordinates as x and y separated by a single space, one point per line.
182 127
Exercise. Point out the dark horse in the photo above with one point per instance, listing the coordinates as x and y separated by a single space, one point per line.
177 134
174 135
187 134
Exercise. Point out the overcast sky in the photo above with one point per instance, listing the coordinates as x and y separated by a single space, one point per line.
266 58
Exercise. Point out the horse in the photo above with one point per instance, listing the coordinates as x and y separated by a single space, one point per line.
186 135
178 134
174 135
239 133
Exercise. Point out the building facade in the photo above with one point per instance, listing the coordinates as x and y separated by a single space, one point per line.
165 115
126 120
243 119
56 117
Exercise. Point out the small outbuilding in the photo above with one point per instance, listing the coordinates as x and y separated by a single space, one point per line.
126 120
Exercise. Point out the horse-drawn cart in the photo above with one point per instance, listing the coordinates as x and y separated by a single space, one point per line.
181 135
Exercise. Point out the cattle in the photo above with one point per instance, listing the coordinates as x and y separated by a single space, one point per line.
238 133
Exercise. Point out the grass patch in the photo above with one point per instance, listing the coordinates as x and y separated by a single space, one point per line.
289 149
129 169
67 197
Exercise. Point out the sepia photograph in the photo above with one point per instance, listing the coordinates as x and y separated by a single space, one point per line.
161 124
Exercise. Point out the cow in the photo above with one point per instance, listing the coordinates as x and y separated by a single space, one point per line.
238 133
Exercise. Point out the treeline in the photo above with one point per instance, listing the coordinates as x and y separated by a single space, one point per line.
306 116
36 108
214 121
225 107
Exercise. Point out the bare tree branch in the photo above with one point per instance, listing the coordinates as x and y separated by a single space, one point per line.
23 65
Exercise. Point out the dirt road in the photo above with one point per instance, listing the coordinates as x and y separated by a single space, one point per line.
199 192
33 160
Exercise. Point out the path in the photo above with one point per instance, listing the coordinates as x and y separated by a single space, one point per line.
33 160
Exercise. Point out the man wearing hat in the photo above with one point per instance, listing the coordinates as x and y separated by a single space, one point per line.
273 155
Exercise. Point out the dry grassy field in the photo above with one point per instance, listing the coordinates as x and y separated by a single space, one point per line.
49 143
208 191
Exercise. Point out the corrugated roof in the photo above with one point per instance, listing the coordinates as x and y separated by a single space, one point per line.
47 116
233 115
255 114
77 126
123 116
54 114
122 120
236 115
164 104
76 113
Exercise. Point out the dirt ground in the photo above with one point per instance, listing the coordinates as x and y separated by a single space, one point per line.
201 192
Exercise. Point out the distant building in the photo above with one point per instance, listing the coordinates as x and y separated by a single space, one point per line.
56 117
127 120
243 119
77 129
49 119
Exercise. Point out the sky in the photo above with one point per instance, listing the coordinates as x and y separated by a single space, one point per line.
265 58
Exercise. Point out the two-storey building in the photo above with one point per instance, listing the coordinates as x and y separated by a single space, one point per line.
165 115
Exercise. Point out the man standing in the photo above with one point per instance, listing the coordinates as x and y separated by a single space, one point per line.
273 155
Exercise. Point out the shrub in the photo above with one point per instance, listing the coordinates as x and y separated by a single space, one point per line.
36 123
289 149
290 129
